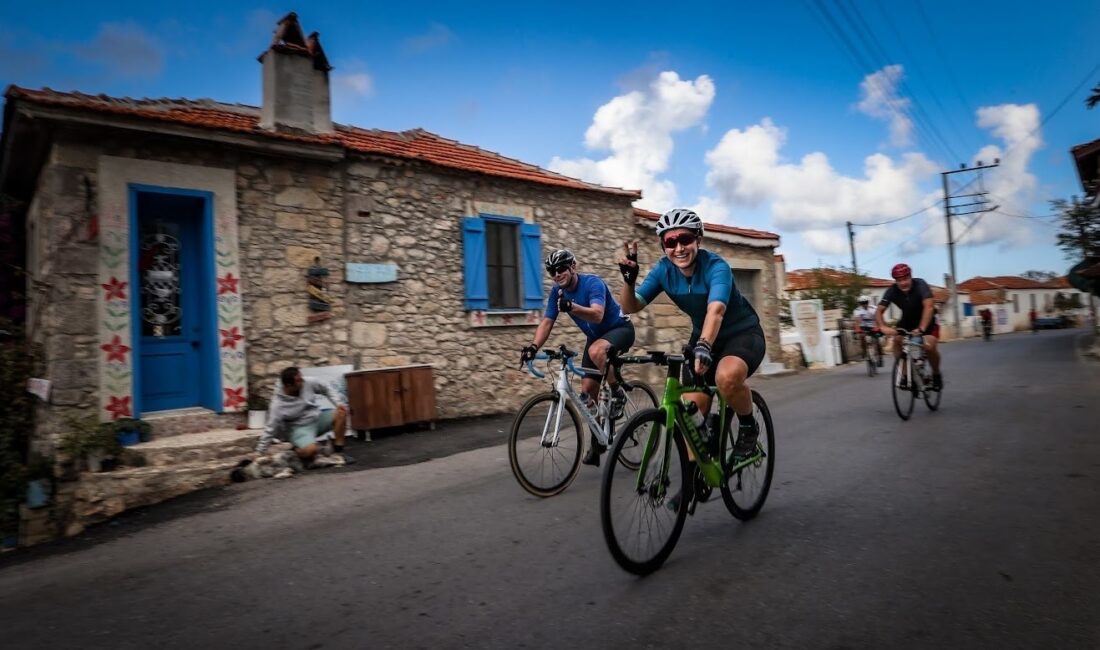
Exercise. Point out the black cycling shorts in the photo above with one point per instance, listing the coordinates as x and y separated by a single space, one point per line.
749 346
621 338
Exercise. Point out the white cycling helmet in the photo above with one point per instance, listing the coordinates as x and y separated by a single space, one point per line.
679 218
866 299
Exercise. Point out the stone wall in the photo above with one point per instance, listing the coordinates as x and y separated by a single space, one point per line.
412 216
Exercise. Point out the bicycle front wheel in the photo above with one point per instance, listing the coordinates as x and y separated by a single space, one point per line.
545 453
639 397
746 488
642 511
903 397
932 397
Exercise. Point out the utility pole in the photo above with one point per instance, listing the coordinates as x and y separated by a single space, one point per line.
852 246
947 214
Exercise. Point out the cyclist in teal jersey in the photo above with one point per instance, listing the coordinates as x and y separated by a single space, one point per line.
726 338
588 301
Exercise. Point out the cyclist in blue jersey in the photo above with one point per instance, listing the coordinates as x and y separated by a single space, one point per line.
588 301
726 338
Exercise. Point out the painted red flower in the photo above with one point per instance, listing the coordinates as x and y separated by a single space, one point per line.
115 350
115 289
234 397
119 407
230 337
228 284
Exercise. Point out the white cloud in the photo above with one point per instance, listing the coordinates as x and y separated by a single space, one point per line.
637 128
350 80
746 170
436 37
880 99
125 49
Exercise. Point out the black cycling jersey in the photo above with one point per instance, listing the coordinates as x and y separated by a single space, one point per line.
911 304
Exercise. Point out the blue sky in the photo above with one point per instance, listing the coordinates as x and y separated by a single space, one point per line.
758 116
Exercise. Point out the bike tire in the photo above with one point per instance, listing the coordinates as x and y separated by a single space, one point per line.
627 515
640 397
932 397
751 483
903 397
545 471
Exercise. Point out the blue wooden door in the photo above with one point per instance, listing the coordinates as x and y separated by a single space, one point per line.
167 261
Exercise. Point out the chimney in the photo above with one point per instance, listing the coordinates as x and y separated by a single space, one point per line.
295 81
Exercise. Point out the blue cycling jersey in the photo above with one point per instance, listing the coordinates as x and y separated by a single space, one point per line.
711 281
590 291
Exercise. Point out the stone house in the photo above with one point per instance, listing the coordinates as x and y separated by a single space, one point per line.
170 244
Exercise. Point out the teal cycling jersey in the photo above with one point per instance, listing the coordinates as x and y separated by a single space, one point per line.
590 291
711 281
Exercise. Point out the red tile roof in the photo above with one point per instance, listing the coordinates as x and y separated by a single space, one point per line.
985 299
1001 282
715 227
416 144
801 279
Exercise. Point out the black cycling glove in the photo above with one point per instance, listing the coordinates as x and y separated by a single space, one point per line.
702 354
527 354
564 304
630 271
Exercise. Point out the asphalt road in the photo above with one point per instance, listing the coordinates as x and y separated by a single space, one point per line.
972 527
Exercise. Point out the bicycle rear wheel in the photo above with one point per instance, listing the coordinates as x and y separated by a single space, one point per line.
903 397
545 468
641 524
639 397
746 488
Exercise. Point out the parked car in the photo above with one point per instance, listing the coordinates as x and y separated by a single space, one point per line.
1052 322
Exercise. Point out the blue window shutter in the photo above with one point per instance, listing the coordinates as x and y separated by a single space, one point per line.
476 270
530 236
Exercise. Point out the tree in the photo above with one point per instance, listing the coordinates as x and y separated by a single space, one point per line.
1041 276
1094 98
837 288
1079 237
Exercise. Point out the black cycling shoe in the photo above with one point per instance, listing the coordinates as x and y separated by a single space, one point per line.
903 384
595 450
937 382
747 433
618 401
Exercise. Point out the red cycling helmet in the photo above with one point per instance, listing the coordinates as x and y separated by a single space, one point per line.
900 271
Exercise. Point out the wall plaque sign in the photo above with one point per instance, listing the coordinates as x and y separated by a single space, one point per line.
370 273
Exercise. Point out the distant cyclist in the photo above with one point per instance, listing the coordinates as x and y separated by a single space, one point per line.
588 301
864 316
914 297
726 339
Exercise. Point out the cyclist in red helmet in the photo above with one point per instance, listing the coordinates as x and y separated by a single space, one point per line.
918 315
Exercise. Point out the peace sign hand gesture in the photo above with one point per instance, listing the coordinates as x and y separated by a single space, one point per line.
628 265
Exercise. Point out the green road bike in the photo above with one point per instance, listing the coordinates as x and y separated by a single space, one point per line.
643 509
547 434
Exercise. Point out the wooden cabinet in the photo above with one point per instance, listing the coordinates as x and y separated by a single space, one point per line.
390 397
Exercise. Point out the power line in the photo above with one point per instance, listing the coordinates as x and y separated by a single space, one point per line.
876 50
911 214
943 59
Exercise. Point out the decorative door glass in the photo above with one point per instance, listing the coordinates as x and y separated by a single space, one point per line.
159 267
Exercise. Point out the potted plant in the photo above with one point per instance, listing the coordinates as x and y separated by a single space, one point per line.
89 443
257 409
130 431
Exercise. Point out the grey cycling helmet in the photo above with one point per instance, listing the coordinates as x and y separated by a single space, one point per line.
560 257
680 218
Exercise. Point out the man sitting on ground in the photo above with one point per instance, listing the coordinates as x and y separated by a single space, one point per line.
295 412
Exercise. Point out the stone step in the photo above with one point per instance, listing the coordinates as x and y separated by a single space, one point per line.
100 496
191 448
190 420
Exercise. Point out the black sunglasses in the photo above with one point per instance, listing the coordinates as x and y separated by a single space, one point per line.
685 238
560 268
